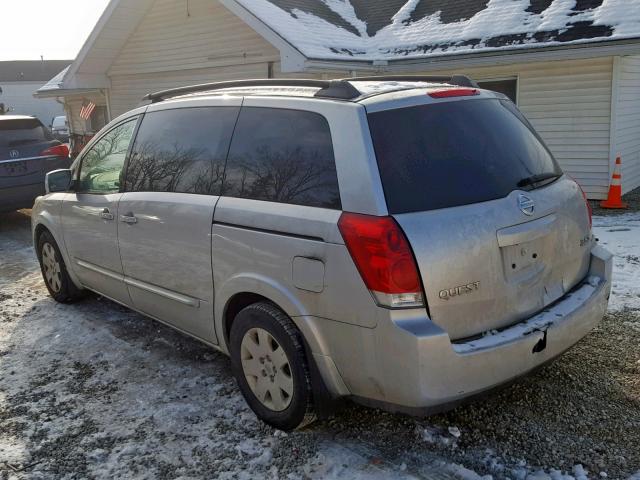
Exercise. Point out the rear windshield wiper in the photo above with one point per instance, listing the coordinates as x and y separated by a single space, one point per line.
536 179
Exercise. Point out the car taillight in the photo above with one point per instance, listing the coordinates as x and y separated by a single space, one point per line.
384 259
56 151
586 201
454 92
589 209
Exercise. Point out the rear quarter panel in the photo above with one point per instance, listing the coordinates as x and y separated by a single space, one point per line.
256 246
265 257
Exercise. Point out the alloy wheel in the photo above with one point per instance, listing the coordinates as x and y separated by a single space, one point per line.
51 266
267 369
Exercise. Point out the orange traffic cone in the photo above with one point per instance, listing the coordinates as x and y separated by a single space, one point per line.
614 200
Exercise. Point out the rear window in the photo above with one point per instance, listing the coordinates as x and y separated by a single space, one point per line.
456 153
22 131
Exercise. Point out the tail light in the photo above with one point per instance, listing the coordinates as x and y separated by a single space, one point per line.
586 201
455 92
384 259
56 151
589 209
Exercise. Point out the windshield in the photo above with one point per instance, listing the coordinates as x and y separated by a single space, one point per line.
457 153
18 132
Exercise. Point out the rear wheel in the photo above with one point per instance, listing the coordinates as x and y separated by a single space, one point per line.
54 271
271 368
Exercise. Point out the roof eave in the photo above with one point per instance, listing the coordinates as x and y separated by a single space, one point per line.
71 83
62 92
76 85
77 78
88 44
477 59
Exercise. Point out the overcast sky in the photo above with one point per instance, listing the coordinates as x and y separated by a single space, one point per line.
55 29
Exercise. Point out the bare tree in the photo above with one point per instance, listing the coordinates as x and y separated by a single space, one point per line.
287 176
179 169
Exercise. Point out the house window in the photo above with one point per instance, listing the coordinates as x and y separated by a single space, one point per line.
508 87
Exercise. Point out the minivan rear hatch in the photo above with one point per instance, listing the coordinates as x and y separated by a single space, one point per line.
498 232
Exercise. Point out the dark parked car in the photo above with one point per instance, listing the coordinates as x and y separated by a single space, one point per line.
28 152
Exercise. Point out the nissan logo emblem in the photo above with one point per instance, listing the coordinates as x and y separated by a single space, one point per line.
14 154
527 206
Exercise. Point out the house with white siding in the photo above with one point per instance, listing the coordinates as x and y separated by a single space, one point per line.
20 79
572 66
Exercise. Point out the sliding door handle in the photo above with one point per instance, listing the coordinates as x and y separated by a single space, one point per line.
128 218
106 214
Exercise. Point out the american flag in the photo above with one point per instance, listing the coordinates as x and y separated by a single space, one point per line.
87 109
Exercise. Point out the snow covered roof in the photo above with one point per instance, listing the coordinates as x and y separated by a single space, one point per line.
371 30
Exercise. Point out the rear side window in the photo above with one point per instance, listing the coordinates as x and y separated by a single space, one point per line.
14 133
456 153
181 151
284 156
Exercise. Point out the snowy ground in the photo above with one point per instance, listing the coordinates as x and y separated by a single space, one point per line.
93 390
621 235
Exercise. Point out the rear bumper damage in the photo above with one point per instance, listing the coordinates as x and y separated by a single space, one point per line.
413 367
448 373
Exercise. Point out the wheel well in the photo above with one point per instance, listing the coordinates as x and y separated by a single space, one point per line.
324 400
236 304
40 229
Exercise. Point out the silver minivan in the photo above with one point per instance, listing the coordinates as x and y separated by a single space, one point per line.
406 242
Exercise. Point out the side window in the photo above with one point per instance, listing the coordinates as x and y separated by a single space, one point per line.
101 167
181 150
282 156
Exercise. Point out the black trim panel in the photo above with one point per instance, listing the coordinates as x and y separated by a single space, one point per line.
271 232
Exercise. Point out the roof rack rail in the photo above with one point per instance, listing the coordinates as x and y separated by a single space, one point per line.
338 89
459 80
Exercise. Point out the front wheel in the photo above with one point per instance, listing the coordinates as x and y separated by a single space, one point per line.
270 365
54 271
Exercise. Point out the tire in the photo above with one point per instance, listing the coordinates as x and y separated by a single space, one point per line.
54 271
262 338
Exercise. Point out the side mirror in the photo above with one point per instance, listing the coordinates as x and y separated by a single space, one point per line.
58 181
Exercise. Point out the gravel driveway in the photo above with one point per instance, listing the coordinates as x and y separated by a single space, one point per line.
93 390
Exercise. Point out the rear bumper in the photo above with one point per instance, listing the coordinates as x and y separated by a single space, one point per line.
418 370
15 197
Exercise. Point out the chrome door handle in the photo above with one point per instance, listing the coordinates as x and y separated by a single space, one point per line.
106 214
129 218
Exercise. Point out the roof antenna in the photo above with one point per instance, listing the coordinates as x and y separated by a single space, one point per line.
188 10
